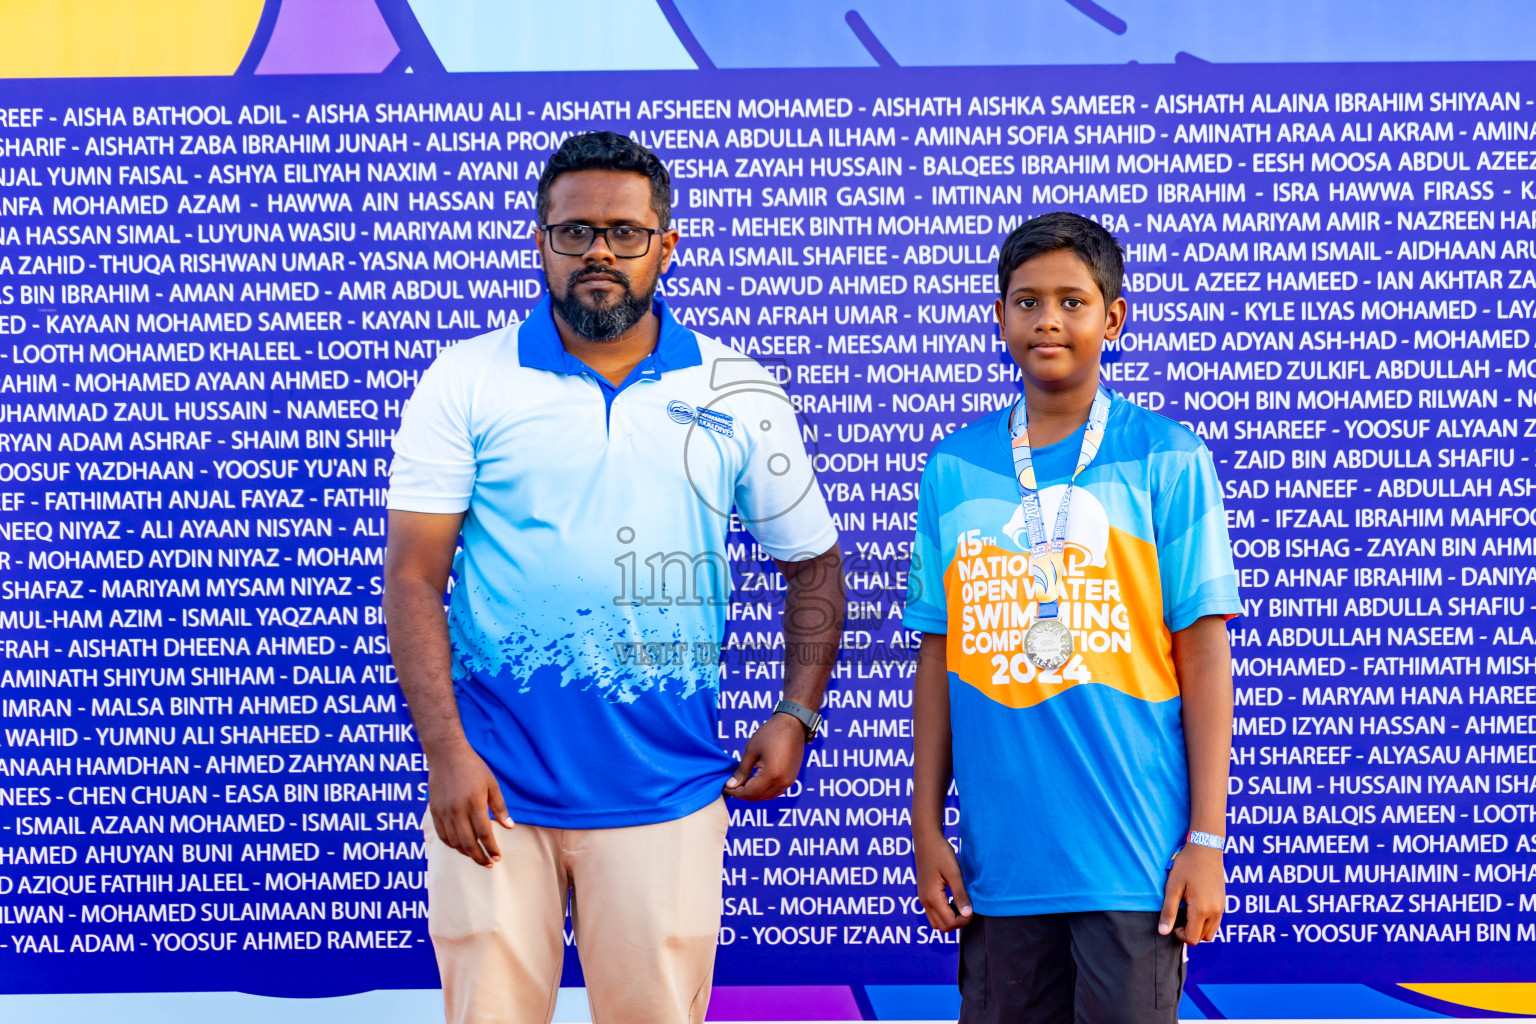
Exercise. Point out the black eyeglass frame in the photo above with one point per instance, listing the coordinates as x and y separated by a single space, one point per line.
649 234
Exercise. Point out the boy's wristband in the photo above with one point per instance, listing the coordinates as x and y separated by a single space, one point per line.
1215 842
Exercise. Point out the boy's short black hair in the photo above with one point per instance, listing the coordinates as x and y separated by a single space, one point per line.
1092 244
607 151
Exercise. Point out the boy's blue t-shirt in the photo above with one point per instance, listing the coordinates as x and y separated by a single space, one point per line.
1074 788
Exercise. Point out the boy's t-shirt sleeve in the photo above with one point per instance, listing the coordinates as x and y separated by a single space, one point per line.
926 609
434 465
1194 553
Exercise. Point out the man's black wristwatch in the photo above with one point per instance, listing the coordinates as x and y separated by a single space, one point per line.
808 718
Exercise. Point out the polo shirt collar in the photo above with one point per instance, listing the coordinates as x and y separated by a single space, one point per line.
539 346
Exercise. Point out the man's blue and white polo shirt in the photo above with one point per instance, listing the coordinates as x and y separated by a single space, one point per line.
597 522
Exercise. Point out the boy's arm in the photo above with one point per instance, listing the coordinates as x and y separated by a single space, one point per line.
937 866
1203 661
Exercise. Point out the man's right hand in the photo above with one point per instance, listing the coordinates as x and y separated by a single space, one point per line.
939 887
460 790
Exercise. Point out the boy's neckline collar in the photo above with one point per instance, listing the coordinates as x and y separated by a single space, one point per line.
1005 434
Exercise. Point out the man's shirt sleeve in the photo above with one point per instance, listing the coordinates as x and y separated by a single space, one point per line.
777 494
1193 553
926 609
434 464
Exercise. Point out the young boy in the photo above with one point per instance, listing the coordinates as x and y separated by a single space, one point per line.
1072 576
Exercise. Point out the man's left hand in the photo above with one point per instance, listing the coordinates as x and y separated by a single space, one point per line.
1198 880
775 750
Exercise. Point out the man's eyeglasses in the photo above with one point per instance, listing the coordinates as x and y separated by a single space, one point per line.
626 241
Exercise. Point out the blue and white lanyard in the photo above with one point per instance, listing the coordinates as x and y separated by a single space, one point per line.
1046 552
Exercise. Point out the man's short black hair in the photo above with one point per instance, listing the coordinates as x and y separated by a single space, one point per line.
1096 247
608 151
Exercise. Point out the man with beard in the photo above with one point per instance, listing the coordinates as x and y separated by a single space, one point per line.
588 460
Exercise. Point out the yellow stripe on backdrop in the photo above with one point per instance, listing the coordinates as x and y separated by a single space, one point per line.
1503 997
124 38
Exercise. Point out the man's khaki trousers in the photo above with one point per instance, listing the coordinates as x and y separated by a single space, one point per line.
645 902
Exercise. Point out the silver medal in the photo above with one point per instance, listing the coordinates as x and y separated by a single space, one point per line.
1048 643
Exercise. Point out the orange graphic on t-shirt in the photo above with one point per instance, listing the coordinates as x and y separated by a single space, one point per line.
1114 610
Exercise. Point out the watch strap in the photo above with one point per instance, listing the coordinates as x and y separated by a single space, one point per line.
804 715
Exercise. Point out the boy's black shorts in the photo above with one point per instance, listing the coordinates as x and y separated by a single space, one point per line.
1094 967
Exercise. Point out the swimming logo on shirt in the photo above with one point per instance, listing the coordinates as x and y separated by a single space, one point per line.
1111 600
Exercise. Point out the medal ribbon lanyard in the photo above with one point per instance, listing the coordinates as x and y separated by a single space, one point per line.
1046 561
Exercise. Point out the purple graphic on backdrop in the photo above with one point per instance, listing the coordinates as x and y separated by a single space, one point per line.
479 35
305 39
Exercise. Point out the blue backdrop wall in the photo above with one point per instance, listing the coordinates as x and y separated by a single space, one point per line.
229 248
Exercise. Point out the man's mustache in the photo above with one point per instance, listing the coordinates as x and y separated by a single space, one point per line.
590 273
